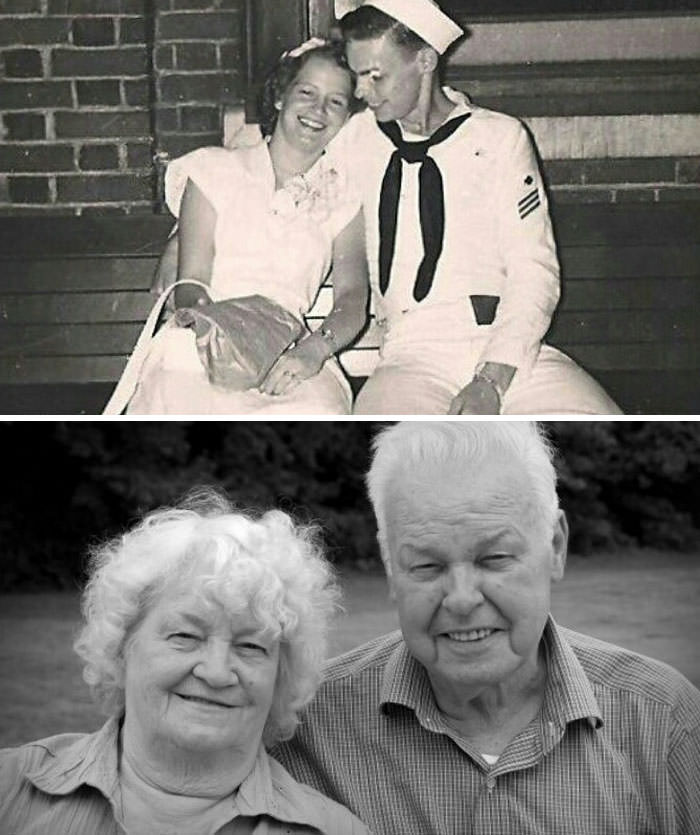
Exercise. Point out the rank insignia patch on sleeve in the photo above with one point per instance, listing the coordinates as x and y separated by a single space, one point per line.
529 203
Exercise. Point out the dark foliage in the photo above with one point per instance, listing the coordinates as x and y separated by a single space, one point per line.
68 484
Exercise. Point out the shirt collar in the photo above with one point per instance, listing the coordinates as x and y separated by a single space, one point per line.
270 790
568 693
91 760
406 683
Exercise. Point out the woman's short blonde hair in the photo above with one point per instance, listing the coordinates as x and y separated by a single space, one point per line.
239 560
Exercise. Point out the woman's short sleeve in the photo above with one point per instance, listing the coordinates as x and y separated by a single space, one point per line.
203 167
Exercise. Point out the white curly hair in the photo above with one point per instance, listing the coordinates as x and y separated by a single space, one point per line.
237 559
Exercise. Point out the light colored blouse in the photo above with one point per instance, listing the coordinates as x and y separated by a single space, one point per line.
70 784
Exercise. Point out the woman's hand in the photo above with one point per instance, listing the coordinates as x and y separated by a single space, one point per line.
300 362
477 398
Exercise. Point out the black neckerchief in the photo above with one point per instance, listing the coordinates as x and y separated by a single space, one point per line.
431 203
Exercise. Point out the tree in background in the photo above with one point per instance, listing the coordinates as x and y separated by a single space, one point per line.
67 484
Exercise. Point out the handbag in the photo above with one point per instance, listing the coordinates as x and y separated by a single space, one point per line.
238 341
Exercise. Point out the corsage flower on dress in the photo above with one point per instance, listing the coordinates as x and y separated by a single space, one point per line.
309 196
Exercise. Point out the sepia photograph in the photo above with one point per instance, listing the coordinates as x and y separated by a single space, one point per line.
374 207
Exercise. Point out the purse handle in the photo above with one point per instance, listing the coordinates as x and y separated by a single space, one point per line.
128 381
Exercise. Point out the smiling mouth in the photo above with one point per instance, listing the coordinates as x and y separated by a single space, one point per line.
202 701
470 636
311 124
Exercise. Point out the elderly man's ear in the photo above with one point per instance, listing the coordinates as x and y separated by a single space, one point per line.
560 545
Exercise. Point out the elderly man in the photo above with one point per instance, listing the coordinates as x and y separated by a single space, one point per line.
482 715
463 266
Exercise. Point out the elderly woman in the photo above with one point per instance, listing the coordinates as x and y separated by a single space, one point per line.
269 220
204 635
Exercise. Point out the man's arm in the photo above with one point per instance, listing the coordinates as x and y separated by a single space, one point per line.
531 289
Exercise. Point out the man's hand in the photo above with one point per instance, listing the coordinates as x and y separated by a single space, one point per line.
303 360
477 398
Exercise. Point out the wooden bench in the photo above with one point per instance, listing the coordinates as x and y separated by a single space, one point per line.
74 292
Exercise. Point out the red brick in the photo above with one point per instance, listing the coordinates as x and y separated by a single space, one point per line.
99 158
580 195
563 171
132 30
634 195
28 95
70 124
195 56
178 144
98 93
27 31
21 6
203 26
231 55
209 87
637 170
38 158
167 119
106 188
139 155
211 5
23 63
21 126
688 170
93 31
136 93
95 7
72 63
165 57
28 189
200 119
675 193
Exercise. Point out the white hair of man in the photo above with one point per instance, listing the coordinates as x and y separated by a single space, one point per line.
413 445
266 564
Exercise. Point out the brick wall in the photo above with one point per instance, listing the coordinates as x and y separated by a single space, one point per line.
92 90
88 98
76 131
643 179
198 65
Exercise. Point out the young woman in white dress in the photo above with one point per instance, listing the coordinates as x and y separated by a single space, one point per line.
269 220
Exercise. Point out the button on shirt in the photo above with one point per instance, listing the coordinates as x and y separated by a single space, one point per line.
69 785
615 748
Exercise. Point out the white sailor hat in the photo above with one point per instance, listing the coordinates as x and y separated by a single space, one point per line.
424 17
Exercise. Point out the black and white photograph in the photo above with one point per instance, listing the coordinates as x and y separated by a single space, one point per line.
368 207
349 627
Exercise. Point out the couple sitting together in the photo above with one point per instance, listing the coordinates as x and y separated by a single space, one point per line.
205 634
433 203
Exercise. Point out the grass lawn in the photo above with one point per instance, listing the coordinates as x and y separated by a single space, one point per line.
645 601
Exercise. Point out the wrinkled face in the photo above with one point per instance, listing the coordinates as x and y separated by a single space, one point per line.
316 104
471 572
198 677
389 77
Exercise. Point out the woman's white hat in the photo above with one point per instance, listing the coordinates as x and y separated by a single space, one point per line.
424 17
